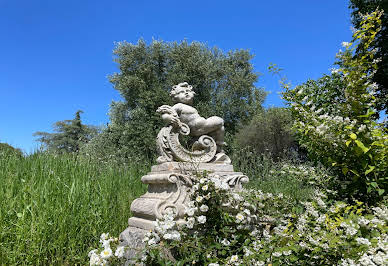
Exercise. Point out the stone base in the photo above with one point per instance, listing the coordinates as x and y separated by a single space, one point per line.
169 187
132 239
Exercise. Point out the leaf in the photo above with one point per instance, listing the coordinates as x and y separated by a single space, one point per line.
371 168
374 184
345 170
381 191
362 146
353 136
348 142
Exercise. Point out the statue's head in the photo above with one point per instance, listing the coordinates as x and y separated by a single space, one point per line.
182 93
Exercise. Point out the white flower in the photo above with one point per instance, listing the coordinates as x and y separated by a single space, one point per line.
198 198
175 235
321 129
239 217
204 208
195 187
247 212
345 44
94 259
104 237
151 242
234 258
287 253
190 222
119 252
190 211
205 187
167 236
203 180
225 242
363 241
277 254
106 253
201 219
214 264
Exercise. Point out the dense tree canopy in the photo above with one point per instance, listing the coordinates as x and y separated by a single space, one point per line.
362 7
70 136
223 83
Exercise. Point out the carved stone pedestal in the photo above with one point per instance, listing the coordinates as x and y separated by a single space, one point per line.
169 186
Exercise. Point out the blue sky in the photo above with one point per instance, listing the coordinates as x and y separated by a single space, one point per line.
55 56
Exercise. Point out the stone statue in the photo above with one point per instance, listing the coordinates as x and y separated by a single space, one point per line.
184 119
170 182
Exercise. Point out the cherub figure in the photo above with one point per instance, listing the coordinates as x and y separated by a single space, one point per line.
182 95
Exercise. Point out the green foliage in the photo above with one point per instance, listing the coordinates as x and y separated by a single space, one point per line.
6 149
70 136
222 227
380 43
223 82
269 132
335 122
52 207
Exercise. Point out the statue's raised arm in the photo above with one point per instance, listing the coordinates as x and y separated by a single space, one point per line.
184 119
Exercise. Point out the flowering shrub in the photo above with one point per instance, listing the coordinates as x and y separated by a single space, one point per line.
222 227
335 118
105 254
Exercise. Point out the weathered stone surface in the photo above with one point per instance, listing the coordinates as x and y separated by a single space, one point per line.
183 119
170 182
132 238
190 167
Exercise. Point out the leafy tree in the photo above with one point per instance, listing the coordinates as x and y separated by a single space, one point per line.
7 149
70 136
380 43
223 82
269 132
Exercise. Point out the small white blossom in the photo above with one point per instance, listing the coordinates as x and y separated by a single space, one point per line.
119 252
204 208
106 253
201 219
234 258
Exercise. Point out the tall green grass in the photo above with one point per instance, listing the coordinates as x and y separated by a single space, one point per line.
53 208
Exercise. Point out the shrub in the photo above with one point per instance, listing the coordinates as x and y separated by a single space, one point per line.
335 123
223 227
269 132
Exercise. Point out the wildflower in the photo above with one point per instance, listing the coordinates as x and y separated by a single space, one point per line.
106 253
202 180
363 241
277 254
225 242
199 198
190 211
345 44
204 208
234 258
201 219
190 222
119 252
287 253
94 259
205 187
239 217
214 264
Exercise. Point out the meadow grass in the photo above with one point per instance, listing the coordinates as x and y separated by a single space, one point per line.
54 208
